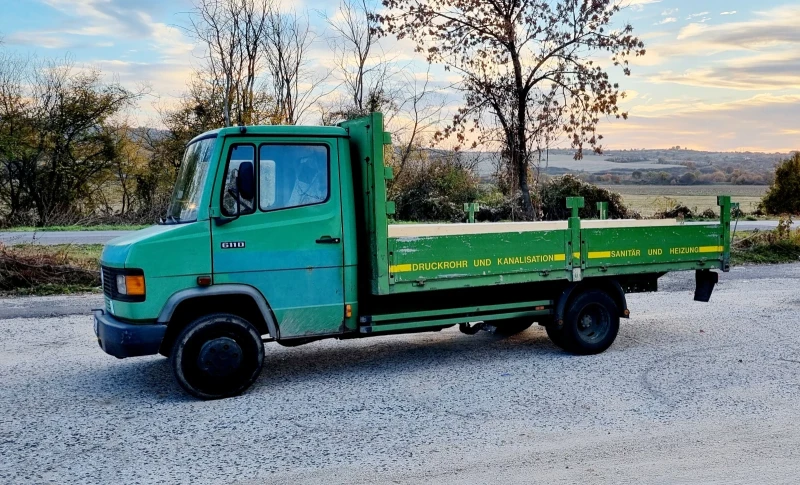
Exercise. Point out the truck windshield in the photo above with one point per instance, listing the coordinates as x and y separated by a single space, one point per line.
189 185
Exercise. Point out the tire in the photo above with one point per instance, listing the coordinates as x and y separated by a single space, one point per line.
511 326
556 335
217 356
591 323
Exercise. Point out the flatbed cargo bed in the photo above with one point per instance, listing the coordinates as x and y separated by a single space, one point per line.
453 256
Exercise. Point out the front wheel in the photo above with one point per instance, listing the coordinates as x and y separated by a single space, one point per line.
217 356
591 324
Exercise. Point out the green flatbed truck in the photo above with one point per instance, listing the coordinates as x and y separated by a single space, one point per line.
282 233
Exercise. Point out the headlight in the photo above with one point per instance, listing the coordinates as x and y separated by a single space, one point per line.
130 285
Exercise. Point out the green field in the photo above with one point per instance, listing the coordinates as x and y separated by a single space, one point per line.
649 199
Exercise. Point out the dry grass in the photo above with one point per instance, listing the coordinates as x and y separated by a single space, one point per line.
44 270
781 245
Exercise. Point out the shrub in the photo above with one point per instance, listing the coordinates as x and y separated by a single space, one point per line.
679 211
708 214
554 195
783 196
434 190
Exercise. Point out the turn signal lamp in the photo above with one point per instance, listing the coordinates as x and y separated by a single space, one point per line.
131 285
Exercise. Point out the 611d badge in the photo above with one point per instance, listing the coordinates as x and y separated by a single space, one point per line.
232 245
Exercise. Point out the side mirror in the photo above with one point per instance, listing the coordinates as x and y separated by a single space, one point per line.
246 181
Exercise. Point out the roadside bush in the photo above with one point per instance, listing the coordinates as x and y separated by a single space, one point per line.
783 196
781 245
434 190
507 209
554 195
708 214
680 211
494 206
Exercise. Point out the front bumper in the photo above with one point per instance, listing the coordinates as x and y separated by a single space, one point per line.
122 339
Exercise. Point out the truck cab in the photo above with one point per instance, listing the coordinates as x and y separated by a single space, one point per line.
255 211
281 233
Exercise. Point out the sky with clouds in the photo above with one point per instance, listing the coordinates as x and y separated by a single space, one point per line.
718 75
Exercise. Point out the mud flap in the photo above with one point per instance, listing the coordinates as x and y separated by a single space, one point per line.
705 281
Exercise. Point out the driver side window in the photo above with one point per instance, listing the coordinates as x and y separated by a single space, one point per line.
293 175
237 155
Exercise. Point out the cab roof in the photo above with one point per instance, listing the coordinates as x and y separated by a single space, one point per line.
276 130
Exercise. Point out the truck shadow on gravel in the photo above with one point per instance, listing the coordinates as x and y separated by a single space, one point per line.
361 360
367 360
390 356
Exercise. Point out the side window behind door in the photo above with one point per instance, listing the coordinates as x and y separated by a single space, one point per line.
237 155
293 176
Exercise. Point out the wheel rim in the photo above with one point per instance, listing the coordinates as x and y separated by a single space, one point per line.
219 357
594 323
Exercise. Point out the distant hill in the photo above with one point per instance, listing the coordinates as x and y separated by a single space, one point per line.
560 161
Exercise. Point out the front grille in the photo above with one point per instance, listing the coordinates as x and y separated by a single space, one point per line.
109 282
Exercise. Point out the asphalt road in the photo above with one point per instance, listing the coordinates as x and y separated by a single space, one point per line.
689 393
102 237
753 225
60 237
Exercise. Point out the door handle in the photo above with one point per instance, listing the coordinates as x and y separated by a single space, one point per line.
328 240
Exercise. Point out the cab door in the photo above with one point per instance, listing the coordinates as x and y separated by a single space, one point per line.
287 240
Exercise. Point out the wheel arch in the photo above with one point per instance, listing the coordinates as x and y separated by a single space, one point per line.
241 300
609 285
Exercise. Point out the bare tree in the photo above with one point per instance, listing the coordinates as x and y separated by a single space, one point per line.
361 65
527 68
295 86
15 107
419 117
233 32
372 82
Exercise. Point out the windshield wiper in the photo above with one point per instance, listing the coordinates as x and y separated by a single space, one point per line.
170 219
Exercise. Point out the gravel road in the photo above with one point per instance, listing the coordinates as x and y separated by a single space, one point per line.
689 393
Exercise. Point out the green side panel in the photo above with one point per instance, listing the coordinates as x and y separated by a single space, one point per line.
367 138
477 259
640 249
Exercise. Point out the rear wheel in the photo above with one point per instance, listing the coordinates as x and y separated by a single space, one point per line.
217 356
511 326
591 324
